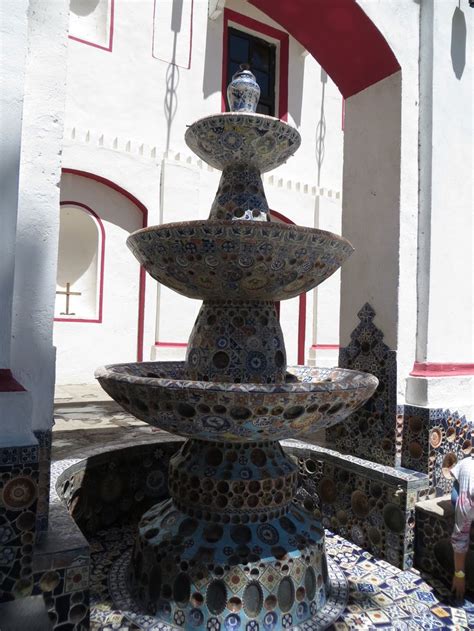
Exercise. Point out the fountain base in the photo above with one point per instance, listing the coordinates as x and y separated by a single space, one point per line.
230 549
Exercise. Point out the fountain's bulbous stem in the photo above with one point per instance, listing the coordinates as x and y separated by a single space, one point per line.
231 549
233 482
240 194
237 341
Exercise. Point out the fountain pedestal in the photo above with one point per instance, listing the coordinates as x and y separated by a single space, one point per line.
230 545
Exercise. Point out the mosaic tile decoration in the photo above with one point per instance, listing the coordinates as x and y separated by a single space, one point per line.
161 394
370 504
372 432
222 140
250 345
61 569
243 554
245 260
433 549
19 476
117 487
433 439
380 595
44 459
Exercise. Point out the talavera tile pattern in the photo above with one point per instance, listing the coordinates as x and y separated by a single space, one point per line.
161 394
369 504
222 140
378 594
433 551
434 439
373 432
244 260
19 477
230 548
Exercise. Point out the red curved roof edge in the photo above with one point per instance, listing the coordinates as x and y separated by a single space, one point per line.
340 36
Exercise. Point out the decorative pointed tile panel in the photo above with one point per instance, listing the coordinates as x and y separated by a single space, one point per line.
374 431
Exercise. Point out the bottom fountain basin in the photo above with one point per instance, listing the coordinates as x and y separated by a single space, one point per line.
160 394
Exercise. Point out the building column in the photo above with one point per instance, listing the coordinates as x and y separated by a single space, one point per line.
34 46
443 373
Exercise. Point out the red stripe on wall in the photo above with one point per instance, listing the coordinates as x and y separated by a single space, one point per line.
8 383
433 369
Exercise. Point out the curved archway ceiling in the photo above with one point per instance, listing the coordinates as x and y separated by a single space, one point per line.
340 36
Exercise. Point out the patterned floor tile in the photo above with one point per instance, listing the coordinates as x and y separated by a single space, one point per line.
401 601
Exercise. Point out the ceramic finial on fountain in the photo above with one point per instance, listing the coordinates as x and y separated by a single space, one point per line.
243 92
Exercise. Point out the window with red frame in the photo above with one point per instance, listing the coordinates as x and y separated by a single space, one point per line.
260 55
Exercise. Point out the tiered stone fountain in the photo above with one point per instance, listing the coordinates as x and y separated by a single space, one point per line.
231 549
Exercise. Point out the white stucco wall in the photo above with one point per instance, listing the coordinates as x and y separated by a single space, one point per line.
32 352
14 37
447 167
446 249
381 173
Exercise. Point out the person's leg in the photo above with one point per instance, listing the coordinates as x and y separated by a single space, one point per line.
464 515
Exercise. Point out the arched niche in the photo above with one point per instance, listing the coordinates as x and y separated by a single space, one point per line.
81 246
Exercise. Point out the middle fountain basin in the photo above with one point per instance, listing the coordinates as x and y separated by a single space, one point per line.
239 260
310 399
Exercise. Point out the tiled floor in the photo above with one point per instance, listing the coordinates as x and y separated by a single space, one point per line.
380 595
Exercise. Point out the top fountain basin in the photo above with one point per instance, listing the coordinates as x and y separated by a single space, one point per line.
161 394
224 139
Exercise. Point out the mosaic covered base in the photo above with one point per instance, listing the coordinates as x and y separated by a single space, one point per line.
195 574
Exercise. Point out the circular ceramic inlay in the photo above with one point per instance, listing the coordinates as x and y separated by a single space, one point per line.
19 493
436 437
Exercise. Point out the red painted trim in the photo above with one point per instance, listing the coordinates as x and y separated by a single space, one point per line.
8 383
109 47
171 344
190 39
325 347
301 329
262 29
142 283
340 36
101 267
433 369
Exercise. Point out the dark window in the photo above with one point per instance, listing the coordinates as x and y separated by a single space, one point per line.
260 56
